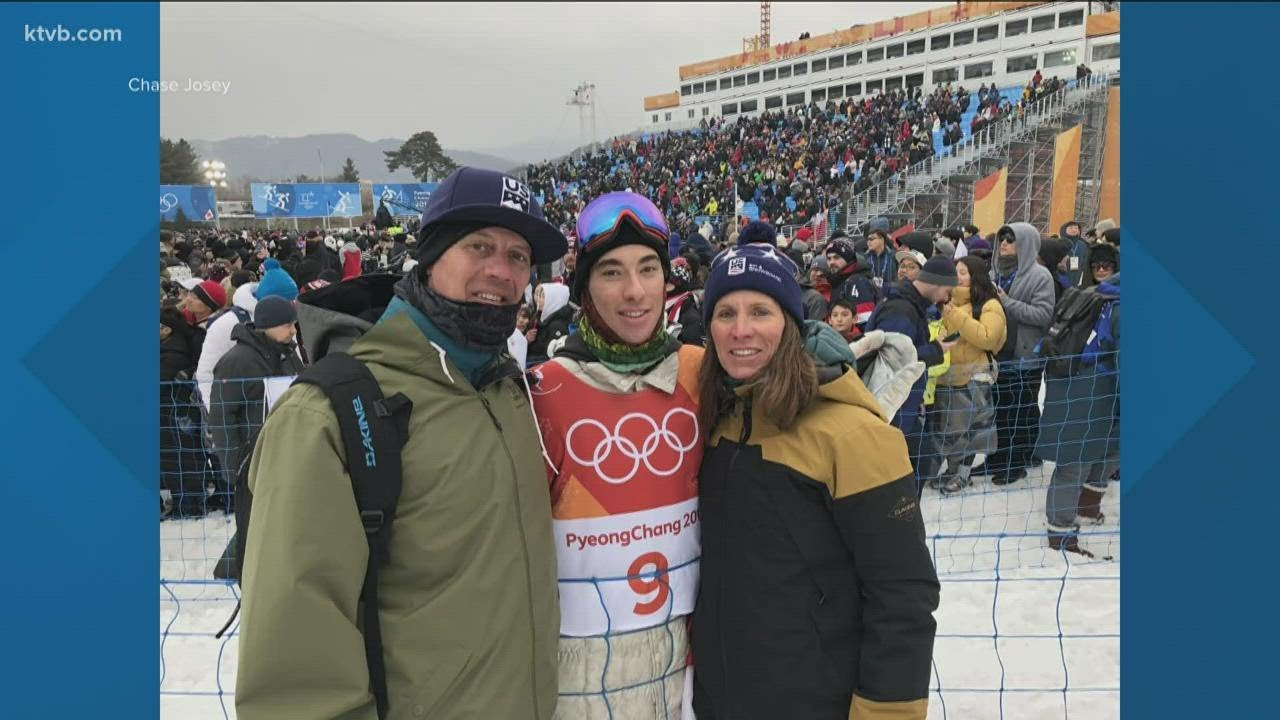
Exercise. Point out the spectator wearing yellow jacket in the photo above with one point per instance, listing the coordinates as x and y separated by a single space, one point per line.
929 455
963 406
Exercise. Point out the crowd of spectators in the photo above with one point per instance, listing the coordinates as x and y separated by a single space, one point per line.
793 163
992 105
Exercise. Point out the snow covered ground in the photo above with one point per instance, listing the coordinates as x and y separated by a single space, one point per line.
1023 632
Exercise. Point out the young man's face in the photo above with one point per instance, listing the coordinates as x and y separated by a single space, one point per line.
836 263
1008 246
908 269
491 265
875 243
627 289
282 334
197 307
841 319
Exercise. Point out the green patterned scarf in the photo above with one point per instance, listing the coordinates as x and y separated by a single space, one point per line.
620 357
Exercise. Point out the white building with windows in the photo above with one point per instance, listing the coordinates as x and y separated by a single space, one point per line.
1004 43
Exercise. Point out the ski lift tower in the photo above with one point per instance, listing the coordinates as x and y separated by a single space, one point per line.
584 96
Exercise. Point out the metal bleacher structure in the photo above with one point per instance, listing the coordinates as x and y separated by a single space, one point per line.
937 193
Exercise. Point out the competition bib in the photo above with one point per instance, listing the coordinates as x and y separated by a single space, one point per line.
624 502
627 572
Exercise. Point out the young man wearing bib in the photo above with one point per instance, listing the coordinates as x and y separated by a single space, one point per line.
617 409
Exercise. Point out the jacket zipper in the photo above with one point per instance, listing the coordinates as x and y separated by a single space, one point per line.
528 563
724 543
489 409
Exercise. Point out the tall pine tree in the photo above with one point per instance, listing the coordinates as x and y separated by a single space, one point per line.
349 172
178 163
423 156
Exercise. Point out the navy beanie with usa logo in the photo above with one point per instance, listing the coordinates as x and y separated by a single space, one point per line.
754 267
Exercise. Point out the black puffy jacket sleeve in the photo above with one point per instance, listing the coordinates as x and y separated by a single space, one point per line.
878 516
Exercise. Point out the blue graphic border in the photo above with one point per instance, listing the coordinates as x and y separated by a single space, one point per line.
1200 367
80 364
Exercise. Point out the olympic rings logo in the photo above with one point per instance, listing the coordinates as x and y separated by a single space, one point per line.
638 455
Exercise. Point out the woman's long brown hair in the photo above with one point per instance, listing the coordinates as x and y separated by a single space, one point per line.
782 390
981 288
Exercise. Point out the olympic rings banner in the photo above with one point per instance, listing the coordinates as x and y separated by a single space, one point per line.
306 200
199 203
404 199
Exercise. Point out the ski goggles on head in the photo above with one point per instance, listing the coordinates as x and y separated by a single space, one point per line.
603 216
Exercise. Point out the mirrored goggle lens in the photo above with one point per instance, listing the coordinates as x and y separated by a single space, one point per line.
601 218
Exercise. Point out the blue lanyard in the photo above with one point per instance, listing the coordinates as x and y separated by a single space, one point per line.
882 271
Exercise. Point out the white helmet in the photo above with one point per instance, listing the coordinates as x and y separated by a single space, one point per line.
331 242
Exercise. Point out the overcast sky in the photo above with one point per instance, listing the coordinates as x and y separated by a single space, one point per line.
482 76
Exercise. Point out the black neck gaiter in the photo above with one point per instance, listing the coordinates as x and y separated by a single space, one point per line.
478 326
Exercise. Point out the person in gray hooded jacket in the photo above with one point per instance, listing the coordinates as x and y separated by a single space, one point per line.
1025 289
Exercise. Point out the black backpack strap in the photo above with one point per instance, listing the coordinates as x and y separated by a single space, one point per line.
374 430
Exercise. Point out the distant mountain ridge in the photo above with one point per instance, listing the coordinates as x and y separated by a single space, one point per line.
275 158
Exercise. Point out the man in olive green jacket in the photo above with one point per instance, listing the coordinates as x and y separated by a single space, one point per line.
468 603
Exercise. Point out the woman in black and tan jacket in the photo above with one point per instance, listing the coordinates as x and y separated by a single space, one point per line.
817 590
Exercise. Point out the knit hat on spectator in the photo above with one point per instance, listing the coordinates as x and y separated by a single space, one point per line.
977 243
842 248
471 199
681 276
878 223
1104 225
758 232
211 294
754 267
939 270
272 312
277 283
